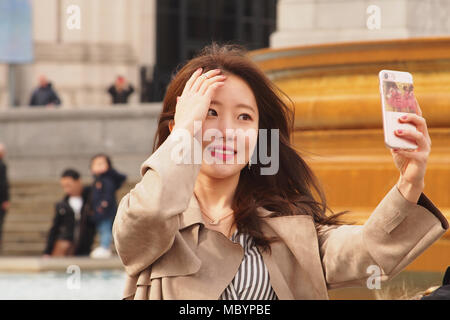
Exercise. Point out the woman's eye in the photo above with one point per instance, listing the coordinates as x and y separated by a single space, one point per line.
211 110
246 115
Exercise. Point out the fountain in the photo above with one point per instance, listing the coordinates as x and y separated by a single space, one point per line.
338 121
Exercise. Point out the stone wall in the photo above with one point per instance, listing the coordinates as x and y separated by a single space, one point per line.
41 143
301 22
116 37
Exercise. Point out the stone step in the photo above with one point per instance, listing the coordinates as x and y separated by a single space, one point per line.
32 203
30 209
29 248
26 216
26 227
21 247
25 237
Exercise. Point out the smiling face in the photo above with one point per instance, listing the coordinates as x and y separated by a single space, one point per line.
233 107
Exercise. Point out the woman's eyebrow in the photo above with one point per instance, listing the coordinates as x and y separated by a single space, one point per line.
239 105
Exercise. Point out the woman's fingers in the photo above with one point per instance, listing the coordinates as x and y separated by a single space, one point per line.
191 80
207 83
419 122
199 81
210 90
193 103
414 136
421 157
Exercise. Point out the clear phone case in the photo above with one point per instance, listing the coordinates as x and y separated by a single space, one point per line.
397 99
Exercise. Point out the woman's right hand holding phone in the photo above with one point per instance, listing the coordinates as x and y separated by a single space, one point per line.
412 163
194 102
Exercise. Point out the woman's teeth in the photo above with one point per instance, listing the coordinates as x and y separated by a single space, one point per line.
224 151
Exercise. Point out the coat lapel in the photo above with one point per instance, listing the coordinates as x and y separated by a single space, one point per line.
192 214
220 258
295 261
201 263
277 280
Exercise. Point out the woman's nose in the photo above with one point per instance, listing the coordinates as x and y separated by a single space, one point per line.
227 127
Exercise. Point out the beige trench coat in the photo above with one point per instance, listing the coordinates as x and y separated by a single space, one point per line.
168 253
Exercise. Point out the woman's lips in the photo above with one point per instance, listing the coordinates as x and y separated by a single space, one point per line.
224 153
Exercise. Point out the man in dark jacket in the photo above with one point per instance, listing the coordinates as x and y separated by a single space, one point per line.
120 91
4 191
44 95
73 230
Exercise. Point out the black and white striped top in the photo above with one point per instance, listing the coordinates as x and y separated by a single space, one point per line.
251 281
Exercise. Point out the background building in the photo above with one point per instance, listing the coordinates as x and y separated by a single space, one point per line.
143 40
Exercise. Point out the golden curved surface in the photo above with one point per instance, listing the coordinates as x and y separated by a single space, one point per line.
338 120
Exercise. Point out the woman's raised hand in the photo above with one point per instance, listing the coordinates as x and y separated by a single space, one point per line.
412 164
194 102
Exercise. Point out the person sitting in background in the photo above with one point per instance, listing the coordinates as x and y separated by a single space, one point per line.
44 95
106 182
120 90
4 190
72 231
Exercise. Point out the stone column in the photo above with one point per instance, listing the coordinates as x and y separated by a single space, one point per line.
302 22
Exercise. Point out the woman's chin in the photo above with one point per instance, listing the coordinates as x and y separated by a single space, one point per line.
221 171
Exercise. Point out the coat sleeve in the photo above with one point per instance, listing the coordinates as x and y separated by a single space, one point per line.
395 234
147 217
53 232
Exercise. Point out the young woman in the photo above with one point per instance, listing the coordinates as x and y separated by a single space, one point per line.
210 230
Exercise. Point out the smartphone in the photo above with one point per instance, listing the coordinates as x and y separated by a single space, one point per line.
397 99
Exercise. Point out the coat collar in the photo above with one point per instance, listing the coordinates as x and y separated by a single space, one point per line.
193 214
286 227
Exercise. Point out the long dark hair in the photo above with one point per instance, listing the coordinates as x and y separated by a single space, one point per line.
289 191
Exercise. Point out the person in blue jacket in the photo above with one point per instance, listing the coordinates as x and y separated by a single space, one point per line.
107 181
